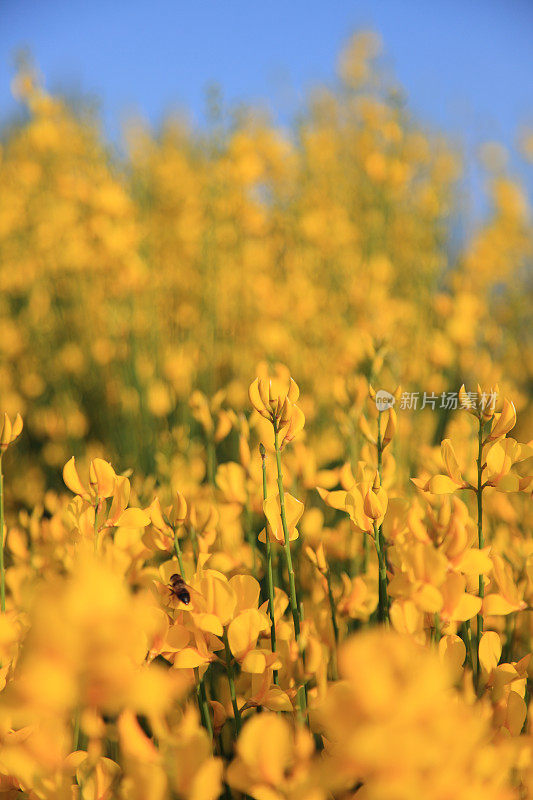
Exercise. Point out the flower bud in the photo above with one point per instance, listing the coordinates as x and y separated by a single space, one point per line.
9 431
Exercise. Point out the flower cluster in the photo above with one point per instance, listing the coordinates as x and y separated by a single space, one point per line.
231 589
140 636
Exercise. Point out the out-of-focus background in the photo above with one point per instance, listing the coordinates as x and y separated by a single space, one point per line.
188 189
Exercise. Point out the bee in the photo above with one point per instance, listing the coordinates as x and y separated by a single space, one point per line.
179 589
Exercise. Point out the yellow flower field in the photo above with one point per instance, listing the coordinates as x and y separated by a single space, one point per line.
266 459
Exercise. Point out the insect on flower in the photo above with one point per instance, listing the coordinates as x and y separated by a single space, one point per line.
179 589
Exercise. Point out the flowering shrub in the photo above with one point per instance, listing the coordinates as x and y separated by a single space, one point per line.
301 595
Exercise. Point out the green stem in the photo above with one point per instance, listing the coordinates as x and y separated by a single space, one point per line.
380 447
378 533
250 535
469 648
334 624
480 530
295 607
365 553
194 542
177 550
383 603
76 732
2 566
270 577
510 624
437 628
231 681
211 461
203 704
286 545
95 526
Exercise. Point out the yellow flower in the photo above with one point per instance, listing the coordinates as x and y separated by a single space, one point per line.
278 405
293 513
273 761
9 432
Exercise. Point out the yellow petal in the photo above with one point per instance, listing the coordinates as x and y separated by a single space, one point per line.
490 650
428 599
467 607
218 594
156 515
179 508
475 562
17 427
450 461
224 425
5 433
189 658
244 630
72 479
207 782
452 651
177 638
509 483
265 747
102 477
254 662
501 457
293 512
390 430
333 499
296 424
265 393
372 505
208 623
355 508
505 421
246 590
496 605
276 699
294 391
255 397
365 429
516 714
441 484
133 518
133 741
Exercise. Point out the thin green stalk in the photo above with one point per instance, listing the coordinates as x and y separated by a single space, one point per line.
96 507
211 461
278 568
203 704
231 681
510 625
194 542
302 695
286 545
335 626
301 704
437 628
270 577
177 550
365 553
250 535
378 533
2 566
480 537
379 446
469 648
383 603
76 732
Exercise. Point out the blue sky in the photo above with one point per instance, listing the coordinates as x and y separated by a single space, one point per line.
466 65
